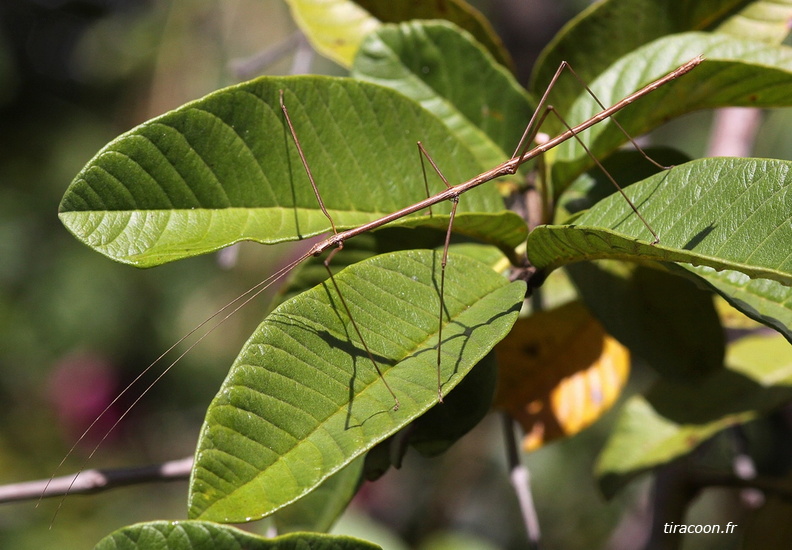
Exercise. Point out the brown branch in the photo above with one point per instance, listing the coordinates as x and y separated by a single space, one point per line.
94 481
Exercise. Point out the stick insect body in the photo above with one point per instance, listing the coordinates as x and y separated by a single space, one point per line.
452 193
508 168
337 239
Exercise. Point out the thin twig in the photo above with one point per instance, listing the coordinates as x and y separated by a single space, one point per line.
94 481
521 482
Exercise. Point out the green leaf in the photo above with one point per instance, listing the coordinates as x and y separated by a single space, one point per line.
471 400
452 76
666 320
675 417
723 213
302 400
438 429
734 73
765 20
336 27
607 31
763 300
225 168
458 12
203 535
318 510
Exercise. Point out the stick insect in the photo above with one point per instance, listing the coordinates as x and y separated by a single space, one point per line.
336 240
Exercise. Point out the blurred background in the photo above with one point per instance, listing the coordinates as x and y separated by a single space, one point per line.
75 328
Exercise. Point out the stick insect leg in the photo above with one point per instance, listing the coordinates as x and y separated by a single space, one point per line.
533 126
655 236
443 262
370 355
537 119
421 153
538 116
330 256
613 119
304 161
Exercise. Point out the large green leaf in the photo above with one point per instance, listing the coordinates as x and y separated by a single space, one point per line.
302 400
675 417
451 75
735 72
203 535
608 30
336 27
712 215
724 213
225 168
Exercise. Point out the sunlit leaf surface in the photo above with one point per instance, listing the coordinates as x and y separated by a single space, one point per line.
303 399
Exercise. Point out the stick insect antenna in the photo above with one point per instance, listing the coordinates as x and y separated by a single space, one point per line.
237 303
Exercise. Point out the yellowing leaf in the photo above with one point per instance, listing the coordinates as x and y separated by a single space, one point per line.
559 372
336 28
734 319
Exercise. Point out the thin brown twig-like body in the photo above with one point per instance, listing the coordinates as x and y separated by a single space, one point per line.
453 193
508 168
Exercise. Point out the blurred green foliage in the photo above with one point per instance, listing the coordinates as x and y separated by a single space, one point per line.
75 328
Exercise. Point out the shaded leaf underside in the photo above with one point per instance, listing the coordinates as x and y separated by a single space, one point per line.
727 220
674 418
